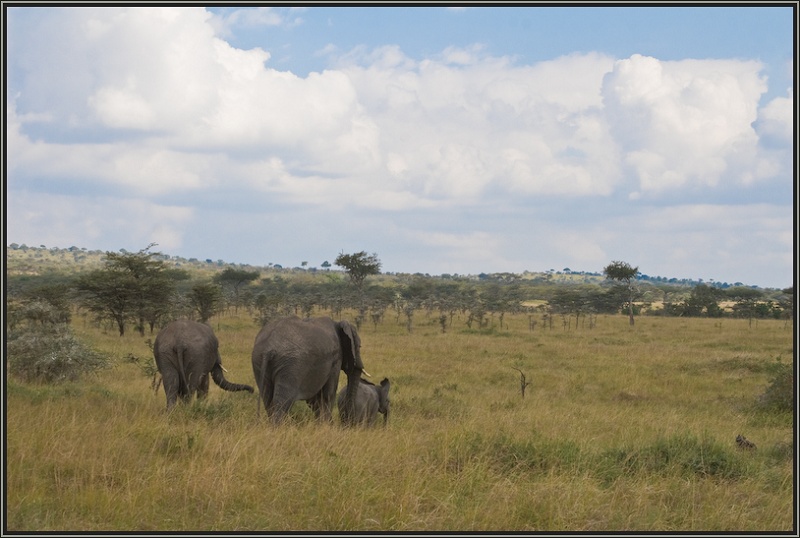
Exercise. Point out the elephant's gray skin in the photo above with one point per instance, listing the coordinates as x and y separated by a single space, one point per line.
186 352
300 359
371 399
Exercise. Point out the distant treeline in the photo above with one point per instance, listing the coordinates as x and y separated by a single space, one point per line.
80 256
146 289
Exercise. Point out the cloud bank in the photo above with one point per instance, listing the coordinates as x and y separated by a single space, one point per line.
145 125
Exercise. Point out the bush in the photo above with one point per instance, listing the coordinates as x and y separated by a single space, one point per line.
36 312
50 354
779 395
148 367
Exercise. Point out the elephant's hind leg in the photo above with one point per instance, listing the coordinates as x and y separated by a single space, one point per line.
279 409
325 409
186 391
284 397
202 387
327 395
171 382
322 410
266 392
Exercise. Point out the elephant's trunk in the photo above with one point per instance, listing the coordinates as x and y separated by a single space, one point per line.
353 381
224 384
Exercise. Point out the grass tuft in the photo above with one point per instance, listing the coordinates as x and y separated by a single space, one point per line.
683 455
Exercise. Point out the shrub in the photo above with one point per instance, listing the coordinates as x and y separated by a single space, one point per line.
36 312
147 366
779 395
50 354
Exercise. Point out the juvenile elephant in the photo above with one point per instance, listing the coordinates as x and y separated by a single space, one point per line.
186 352
371 399
300 359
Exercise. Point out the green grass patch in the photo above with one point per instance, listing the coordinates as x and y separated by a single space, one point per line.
683 455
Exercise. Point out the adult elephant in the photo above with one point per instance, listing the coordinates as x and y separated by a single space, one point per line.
370 400
186 352
300 359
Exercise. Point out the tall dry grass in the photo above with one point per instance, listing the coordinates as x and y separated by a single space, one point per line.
622 428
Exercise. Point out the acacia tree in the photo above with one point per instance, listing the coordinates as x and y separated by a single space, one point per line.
412 296
569 301
501 298
206 299
704 299
623 273
108 294
235 278
747 300
152 284
787 304
358 267
132 286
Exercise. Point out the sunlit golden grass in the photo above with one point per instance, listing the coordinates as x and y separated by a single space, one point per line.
621 428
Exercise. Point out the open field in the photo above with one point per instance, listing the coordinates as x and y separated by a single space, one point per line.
622 428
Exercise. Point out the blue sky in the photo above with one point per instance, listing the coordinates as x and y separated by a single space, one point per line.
443 140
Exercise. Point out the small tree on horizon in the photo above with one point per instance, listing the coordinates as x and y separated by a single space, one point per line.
623 273
235 278
358 267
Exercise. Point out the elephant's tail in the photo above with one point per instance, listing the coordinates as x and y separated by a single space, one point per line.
348 411
264 392
183 387
224 384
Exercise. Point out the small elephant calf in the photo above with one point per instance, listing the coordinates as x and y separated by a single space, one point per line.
371 399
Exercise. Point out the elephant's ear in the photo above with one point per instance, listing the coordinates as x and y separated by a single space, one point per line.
384 390
383 399
351 345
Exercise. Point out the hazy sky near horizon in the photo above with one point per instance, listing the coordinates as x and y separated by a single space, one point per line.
444 140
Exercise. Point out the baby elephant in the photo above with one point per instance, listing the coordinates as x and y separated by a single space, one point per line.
370 400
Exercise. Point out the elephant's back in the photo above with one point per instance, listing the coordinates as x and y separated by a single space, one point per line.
187 335
185 329
265 335
293 336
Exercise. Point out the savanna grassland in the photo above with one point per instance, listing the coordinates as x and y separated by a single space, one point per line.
621 428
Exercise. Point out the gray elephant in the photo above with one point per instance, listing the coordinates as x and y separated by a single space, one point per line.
300 359
186 352
370 400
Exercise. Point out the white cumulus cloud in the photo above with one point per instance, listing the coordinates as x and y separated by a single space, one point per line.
680 123
155 106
